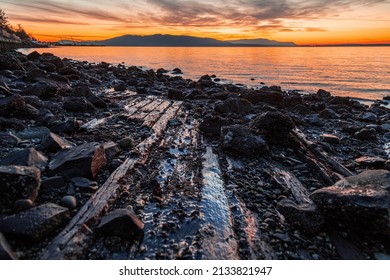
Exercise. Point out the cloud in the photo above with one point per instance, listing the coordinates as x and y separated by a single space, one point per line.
315 29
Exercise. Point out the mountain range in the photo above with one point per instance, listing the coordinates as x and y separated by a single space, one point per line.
181 41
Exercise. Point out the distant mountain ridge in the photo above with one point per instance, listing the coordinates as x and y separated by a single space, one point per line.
184 41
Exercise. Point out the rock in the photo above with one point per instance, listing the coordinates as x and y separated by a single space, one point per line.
212 125
360 203
371 162
329 114
30 133
33 101
36 75
83 184
234 105
12 106
67 127
69 202
368 117
56 182
44 90
53 143
18 182
323 94
243 141
87 93
264 95
314 119
126 143
26 157
305 217
175 94
11 123
176 71
121 86
4 89
36 223
6 252
68 71
382 257
78 104
206 81
22 205
7 139
385 126
352 128
162 71
329 138
366 134
276 126
82 161
33 56
112 150
50 58
122 223
10 62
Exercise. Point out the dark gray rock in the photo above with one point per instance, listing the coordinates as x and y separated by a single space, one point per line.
305 217
78 104
366 134
175 94
44 90
53 143
82 161
56 182
368 117
10 62
26 157
264 95
360 203
30 133
126 143
12 123
36 75
6 252
22 205
314 119
120 86
243 141
33 56
50 58
69 126
234 105
33 101
69 202
83 184
18 182
211 125
122 223
329 114
329 138
371 162
36 223
7 139
276 126
323 94
12 106
176 71
112 150
86 92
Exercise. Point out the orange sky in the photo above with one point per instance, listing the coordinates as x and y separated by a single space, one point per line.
302 22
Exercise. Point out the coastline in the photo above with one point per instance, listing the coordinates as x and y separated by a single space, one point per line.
158 143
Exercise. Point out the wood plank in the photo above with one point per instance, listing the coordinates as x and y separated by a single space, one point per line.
135 106
152 118
144 111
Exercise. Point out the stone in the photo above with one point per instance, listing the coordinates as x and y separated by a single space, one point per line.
6 252
78 104
234 105
243 141
53 143
34 101
329 138
371 162
86 92
5 90
50 58
305 217
352 128
360 203
18 182
121 86
162 71
366 134
33 56
22 205
12 123
276 126
69 126
175 94
211 125
323 94
329 114
36 75
82 161
44 90
112 150
264 95
38 133
10 62
83 184
7 139
314 119
122 223
177 71
368 117
126 143
55 182
69 202
26 157
12 106
36 223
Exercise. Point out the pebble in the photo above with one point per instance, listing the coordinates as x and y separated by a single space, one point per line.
22 205
69 202
126 143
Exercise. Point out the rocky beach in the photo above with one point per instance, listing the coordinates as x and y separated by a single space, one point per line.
101 161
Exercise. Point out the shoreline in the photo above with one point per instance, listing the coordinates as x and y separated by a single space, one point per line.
94 142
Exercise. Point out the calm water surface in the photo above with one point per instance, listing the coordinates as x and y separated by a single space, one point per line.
361 72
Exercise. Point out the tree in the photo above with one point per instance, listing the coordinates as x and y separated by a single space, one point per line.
3 19
21 33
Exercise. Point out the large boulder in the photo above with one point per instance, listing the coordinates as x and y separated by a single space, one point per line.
10 62
12 106
78 104
234 105
53 143
243 141
264 95
18 182
44 90
26 157
360 203
211 125
276 126
86 92
36 223
122 223
82 161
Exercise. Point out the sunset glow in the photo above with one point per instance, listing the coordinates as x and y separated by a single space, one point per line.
302 22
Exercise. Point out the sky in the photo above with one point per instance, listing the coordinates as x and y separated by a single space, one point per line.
302 22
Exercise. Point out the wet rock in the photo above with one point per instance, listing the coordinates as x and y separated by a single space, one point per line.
122 223
12 106
18 182
211 125
175 94
22 205
276 126
50 58
329 138
36 75
162 71
83 184
112 150
88 94
68 71
371 162
264 95
121 86
126 143
177 71
36 223
33 56
67 127
234 105
69 202
26 157
33 101
7 139
360 203
82 161
243 141
53 143
329 114
314 119
6 252
382 257
352 128
368 117
33 133
305 217
323 94
78 104
44 90
10 62
11 123
366 134
4 89
56 182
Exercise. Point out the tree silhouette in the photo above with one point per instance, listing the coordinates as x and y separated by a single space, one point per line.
3 19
